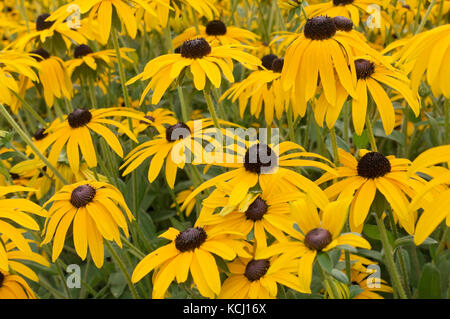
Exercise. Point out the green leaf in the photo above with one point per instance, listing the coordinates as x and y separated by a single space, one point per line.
355 290
409 240
361 141
325 261
429 284
117 284
372 232
339 275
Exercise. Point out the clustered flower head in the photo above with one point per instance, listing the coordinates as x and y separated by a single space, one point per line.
215 149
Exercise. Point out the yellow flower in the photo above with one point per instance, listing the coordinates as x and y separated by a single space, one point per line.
370 77
93 207
191 251
158 118
317 234
75 132
373 172
14 287
370 286
216 33
202 60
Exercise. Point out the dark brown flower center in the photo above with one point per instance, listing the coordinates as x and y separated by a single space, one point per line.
79 117
343 24
39 134
342 2
190 239
216 27
406 6
277 65
373 165
41 24
195 49
148 117
256 269
319 28
260 158
257 209
267 61
364 68
42 54
14 176
2 279
317 239
177 132
82 195
81 50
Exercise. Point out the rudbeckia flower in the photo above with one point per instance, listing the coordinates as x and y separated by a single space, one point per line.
371 75
14 62
263 212
75 132
16 210
370 286
202 60
252 278
262 87
318 233
170 145
372 172
14 287
53 76
93 207
191 250
216 33
158 118
87 60
44 29
260 162
428 52
181 197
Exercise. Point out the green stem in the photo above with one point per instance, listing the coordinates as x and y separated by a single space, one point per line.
30 143
373 143
425 17
211 108
121 68
184 114
122 268
334 146
389 258
443 241
290 116
30 109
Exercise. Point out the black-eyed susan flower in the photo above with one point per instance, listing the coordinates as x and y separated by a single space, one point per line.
371 286
75 132
257 162
203 61
362 178
428 52
371 76
16 210
159 118
317 233
175 145
263 213
262 88
44 30
14 62
53 76
190 251
252 278
14 287
93 209
181 197
216 33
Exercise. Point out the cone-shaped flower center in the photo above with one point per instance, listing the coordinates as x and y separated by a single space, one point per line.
317 239
195 49
81 50
267 61
343 24
14 176
2 279
364 68
190 239
260 158
319 28
256 269
41 24
256 210
39 134
177 132
373 165
79 117
43 54
82 195
342 2
216 27
277 65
